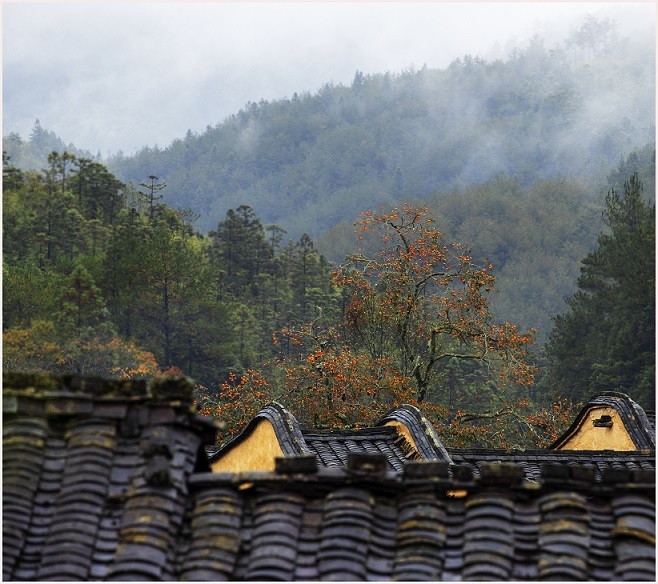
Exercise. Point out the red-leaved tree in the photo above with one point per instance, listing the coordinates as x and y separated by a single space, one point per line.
423 302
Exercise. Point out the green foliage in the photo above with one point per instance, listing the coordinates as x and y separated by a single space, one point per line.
91 264
101 276
33 153
606 341
508 155
311 161
240 250
29 293
534 237
81 304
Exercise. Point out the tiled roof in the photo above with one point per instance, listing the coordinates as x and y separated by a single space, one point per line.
332 446
594 462
636 421
95 475
422 432
102 480
428 523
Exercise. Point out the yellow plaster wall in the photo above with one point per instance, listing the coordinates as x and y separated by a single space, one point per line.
589 437
255 453
400 428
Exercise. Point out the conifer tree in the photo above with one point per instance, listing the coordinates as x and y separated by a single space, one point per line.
606 341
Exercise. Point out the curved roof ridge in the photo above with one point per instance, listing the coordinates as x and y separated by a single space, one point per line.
632 414
630 411
286 428
427 440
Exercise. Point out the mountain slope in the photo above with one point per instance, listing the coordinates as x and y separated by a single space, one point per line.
313 160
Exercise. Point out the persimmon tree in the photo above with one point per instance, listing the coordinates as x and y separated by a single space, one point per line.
320 378
423 301
331 384
416 313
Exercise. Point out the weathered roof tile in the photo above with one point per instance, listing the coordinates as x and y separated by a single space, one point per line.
89 501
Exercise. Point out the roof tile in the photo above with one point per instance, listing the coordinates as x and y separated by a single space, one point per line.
434 521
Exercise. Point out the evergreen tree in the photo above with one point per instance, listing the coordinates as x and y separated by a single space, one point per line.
97 190
240 251
82 304
28 294
152 195
310 280
12 177
171 270
606 341
121 268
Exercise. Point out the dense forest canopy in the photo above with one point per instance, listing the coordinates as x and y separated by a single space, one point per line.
607 337
512 156
99 279
312 160
309 161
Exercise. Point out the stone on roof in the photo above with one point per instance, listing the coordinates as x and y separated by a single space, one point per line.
332 447
594 464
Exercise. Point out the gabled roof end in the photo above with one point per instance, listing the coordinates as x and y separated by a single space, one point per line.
421 430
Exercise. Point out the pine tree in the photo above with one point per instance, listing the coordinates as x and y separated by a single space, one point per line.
82 304
240 250
606 341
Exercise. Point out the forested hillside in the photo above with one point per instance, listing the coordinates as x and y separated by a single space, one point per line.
512 157
535 236
606 339
32 153
312 159
106 281
315 159
102 280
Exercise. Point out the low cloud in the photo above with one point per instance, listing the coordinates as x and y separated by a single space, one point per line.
119 76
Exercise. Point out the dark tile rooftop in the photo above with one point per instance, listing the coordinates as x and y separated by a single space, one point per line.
332 447
427 523
109 482
424 435
594 462
96 475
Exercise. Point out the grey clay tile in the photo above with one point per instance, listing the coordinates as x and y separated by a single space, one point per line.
89 502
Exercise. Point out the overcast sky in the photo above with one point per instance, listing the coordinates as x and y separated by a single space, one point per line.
121 75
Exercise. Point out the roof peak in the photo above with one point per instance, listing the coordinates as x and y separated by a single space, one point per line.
635 419
424 435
